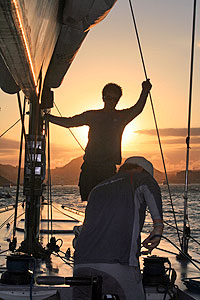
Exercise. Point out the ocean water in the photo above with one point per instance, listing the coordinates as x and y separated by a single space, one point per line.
69 195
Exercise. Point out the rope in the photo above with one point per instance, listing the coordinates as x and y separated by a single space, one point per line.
167 251
4 251
6 221
70 130
47 128
64 260
65 214
49 182
19 170
23 127
189 122
191 237
181 252
154 116
173 253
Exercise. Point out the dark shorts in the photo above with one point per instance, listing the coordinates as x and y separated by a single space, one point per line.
90 176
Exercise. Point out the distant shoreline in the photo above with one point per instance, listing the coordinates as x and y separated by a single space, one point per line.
69 175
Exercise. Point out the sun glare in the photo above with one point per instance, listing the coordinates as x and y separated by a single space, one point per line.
128 136
81 134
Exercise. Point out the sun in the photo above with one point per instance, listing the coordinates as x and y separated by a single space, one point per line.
128 136
81 134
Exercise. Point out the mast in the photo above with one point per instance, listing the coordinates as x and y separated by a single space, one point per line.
34 174
186 228
26 52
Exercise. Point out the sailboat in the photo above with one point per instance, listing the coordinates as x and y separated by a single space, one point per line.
39 41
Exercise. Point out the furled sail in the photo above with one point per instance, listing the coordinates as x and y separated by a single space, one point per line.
39 39
28 33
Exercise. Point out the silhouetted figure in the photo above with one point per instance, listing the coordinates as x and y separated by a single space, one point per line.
106 126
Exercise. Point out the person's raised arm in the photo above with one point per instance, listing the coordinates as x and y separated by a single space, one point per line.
75 121
135 110
146 87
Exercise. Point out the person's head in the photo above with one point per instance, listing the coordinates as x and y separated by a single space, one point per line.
111 94
137 164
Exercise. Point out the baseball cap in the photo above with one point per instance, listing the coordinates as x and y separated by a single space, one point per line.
140 161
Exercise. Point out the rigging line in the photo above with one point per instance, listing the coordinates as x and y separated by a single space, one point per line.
23 127
181 252
51 208
173 253
167 251
19 171
73 210
189 115
70 258
48 175
63 259
4 251
10 128
154 116
191 237
70 130
49 182
8 219
65 214
172 226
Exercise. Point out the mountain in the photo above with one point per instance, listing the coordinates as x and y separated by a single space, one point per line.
69 174
10 173
193 177
5 182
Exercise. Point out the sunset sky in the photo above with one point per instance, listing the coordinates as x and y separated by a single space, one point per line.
110 54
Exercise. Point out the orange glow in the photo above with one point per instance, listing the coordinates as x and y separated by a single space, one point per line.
25 41
81 133
110 54
128 136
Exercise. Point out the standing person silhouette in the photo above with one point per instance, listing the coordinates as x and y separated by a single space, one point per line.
106 126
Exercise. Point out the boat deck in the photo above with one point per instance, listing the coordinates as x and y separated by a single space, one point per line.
64 219
183 269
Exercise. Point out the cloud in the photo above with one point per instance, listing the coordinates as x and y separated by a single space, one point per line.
174 152
178 141
172 132
60 155
175 158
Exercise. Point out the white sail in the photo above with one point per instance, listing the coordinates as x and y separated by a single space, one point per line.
36 36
